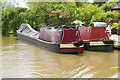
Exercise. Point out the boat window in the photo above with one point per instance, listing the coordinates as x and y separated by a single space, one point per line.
73 27
101 25
67 27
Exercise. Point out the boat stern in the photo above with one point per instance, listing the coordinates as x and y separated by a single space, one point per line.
70 48
98 46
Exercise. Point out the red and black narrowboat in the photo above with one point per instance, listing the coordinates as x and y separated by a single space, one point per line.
95 38
57 39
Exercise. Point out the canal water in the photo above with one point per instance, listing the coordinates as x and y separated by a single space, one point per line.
23 60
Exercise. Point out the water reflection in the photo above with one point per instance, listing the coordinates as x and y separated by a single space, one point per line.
26 60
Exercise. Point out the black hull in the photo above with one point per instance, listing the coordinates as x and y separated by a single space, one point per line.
27 34
47 45
102 48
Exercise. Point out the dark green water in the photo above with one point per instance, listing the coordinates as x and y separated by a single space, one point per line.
22 60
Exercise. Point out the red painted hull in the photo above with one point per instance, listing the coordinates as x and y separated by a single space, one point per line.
69 50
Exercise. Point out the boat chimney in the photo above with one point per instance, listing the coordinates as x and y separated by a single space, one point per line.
60 17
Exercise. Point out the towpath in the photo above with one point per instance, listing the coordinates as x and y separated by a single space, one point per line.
116 38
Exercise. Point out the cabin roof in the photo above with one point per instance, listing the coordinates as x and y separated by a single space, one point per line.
99 22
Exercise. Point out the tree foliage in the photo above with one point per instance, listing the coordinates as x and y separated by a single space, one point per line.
107 6
39 12
86 12
105 15
11 20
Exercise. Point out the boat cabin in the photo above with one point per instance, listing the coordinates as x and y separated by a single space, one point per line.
67 34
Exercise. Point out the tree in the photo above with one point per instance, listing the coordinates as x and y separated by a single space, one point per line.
103 16
86 12
39 12
11 20
107 6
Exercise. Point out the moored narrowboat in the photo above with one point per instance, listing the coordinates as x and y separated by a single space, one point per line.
56 39
66 39
95 38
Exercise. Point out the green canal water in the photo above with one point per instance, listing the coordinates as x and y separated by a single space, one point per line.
22 60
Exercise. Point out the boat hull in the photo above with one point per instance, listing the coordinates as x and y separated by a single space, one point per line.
102 48
71 50
27 34
40 43
48 46
98 46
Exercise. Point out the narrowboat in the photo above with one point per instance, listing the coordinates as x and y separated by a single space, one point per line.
95 38
57 39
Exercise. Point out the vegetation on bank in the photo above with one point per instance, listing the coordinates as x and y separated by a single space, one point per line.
39 12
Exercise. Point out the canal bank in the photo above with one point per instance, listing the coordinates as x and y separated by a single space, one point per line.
116 39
